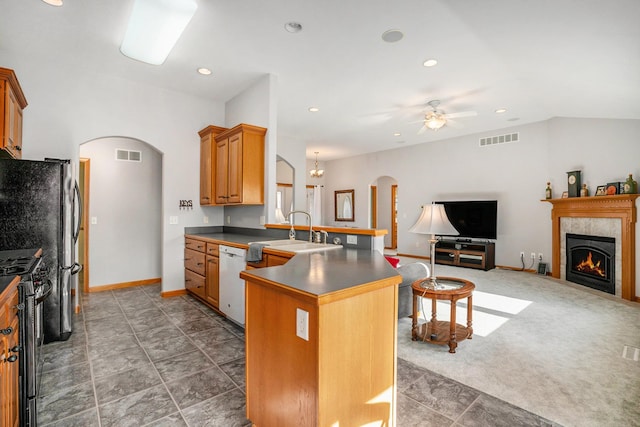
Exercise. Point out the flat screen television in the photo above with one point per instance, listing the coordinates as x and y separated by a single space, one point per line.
474 219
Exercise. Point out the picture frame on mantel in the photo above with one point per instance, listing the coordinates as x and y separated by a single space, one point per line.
565 194
601 190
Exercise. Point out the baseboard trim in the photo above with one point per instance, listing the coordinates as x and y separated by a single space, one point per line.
176 293
125 285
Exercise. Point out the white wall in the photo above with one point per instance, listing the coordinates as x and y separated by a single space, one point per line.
515 174
126 202
68 107
257 105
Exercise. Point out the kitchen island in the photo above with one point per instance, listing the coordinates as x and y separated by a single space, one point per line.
321 340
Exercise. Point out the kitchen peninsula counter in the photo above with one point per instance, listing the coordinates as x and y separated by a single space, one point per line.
321 340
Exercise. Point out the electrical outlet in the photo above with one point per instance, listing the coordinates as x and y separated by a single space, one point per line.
533 255
352 239
205 220
228 219
262 219
522 255
302 324
540 256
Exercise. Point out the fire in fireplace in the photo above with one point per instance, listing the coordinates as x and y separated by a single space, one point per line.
591 261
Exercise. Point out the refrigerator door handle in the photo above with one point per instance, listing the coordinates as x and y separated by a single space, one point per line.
78 219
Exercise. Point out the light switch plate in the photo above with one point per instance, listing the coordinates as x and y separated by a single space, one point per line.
173 220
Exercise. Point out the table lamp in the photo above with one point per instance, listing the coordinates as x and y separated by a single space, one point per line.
433 221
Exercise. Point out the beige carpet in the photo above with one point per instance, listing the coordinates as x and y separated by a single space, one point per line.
548 346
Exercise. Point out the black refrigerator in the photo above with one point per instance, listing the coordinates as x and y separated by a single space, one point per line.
40 207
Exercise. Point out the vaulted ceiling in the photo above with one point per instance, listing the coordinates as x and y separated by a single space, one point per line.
537 59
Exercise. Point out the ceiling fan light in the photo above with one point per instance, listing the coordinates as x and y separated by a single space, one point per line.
434 121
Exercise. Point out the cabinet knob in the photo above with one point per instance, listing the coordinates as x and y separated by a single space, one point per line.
12 358
6 331
15 349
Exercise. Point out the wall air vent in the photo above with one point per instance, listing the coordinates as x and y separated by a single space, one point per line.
499 139
128 155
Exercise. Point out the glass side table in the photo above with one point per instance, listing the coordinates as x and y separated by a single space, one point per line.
437 331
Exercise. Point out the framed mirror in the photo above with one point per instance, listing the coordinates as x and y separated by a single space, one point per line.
344 207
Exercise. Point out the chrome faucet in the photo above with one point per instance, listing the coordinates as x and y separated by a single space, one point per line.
292 232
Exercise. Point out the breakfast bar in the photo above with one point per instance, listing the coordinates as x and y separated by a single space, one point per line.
321 340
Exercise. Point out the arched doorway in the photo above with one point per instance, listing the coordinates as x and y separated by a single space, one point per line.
123 214
384 209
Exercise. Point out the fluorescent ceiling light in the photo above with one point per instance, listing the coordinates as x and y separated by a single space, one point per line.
154 28
53 2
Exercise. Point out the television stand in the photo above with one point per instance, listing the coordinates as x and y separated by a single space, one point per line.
479 255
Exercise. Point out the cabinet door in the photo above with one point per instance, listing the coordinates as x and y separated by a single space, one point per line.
213 281
12 372
222 171
9 363
235 169
205 171
194 283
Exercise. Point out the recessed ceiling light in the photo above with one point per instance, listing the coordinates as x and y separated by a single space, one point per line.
204 71
430 62
314 109
397 134
501 110
53 2
392 36
293 27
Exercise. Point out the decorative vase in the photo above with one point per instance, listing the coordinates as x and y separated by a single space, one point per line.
630 186
547 192
584 191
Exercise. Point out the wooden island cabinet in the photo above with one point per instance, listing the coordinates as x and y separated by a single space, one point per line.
341 368
11 105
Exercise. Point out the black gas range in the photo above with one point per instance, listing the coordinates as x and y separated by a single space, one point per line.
33 289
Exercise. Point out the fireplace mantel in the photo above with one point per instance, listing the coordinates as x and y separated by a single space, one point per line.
621 206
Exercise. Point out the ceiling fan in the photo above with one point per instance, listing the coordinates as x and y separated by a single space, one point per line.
436 119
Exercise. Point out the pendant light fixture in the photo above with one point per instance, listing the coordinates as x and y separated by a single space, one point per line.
316 173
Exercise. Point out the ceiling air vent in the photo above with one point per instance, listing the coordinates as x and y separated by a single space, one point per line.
128 155
499 139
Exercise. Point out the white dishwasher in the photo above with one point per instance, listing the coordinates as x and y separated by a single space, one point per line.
232 262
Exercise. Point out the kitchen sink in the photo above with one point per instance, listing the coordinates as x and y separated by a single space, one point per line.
298 245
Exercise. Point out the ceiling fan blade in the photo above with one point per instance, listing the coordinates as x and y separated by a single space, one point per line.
422 129
461 114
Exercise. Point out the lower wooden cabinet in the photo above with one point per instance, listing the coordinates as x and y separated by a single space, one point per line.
9 357
201 270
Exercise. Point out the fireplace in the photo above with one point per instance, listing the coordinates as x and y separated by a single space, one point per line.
591 261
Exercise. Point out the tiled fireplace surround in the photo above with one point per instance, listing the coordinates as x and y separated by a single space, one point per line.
607 216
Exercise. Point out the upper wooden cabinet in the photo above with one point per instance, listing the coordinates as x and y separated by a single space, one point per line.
239 166
11 106
207 160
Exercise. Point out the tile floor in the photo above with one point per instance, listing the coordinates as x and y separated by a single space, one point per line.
136 359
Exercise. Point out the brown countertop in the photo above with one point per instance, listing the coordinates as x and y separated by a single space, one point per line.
324 277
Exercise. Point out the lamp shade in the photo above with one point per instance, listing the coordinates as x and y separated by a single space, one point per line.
434 220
